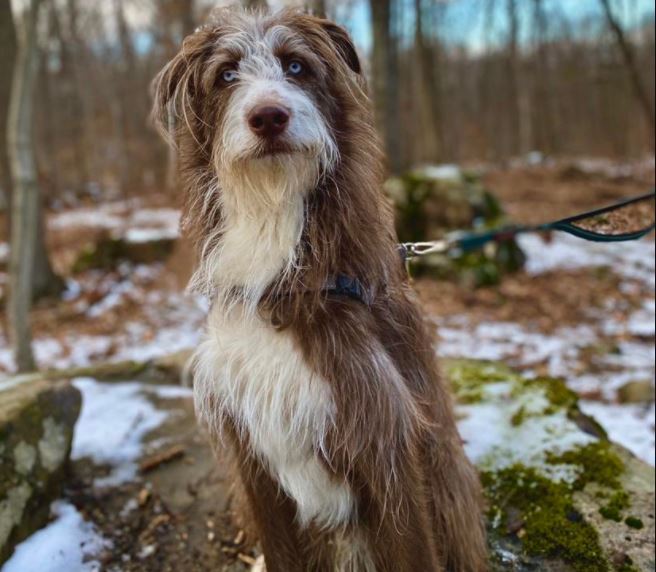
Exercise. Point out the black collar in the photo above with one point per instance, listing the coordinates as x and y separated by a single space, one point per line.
343 285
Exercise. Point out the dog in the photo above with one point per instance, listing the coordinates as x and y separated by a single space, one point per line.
316 368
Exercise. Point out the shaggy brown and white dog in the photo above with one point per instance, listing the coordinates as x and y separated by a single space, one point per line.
316 366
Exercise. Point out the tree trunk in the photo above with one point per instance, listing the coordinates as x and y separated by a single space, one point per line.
188 20
632 67
514 127
428 64
127 107
24 228
255 4
318 8
7 57
385 81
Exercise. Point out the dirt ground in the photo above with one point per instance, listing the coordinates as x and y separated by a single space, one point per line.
178 517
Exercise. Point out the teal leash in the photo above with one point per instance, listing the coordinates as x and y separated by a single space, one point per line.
469 241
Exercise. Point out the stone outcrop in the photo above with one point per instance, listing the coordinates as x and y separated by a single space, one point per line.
561 497
109 251
37 417
431 203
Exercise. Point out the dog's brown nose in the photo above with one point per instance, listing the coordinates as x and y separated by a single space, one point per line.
268 121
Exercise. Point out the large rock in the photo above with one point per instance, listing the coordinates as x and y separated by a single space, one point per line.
561 496
139 248
436 201
37 417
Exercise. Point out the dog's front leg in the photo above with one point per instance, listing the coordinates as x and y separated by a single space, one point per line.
274 515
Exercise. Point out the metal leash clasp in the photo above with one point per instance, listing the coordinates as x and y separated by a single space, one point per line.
414 249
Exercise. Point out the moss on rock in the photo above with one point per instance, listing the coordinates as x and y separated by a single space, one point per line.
551 478
551 525
36 429
597 463
617 503
434 202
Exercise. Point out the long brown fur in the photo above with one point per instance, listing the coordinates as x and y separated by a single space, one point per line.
394 437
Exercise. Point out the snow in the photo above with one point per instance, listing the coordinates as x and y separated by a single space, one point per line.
149 234
443 172
559 354
631 260
122 218
67 544
508 341
493 442
615 169
632 426
126 409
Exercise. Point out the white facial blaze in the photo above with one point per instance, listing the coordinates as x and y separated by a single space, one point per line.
262 196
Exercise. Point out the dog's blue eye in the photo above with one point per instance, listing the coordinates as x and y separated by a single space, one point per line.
295 68
229 76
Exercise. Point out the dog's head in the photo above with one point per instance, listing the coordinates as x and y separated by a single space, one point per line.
258 95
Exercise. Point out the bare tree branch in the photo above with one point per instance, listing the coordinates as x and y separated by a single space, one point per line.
632 67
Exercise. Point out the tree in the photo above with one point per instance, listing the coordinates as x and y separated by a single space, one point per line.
385 80
7 57
255 4
29 267
630 63
428 63
318 8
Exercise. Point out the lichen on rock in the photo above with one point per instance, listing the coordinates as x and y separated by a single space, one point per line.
37 417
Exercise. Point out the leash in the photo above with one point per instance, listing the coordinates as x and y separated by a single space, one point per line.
468 241
344 286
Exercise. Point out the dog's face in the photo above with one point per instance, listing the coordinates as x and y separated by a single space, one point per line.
260 94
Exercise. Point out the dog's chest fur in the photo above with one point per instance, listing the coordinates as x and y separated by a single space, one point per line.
255 374
279 406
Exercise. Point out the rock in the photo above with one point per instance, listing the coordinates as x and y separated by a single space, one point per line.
110 250
37 417
561 497
432 203
172 368
636 392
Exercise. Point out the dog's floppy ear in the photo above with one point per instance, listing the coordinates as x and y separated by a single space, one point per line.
177 88
345 47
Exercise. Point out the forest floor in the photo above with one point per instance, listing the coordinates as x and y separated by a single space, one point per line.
581 311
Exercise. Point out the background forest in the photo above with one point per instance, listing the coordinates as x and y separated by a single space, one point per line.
491 112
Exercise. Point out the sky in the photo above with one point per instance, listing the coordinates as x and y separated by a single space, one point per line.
465 21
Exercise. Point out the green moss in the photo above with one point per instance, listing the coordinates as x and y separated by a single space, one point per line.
597 463
634 522
551 525
627 565
468 378
518 417
557 393
617 503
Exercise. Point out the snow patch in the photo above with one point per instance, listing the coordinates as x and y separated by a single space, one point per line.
113 423
631 260
626 425
493 442
67 544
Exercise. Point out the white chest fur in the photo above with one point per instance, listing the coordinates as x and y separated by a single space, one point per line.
258 376
245 368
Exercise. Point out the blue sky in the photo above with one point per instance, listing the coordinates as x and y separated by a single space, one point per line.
465 21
